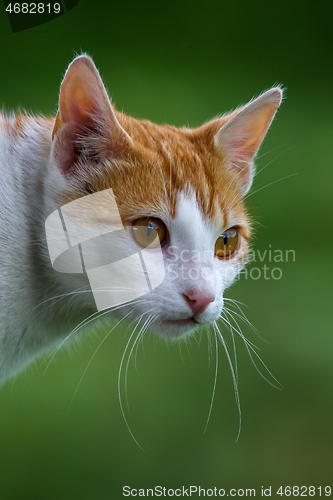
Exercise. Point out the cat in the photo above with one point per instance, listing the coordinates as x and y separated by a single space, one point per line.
187 186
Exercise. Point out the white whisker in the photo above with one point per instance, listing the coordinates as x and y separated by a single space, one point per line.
92 357
251 347
232 314
270 184
119 381
215 380
275 158
259 156
63 295
217 330
84 323
141 332
210 344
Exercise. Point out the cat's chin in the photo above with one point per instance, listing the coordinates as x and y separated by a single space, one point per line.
175 328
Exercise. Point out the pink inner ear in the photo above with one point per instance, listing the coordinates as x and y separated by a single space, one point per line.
245 131
240 151
64 151
76 105
237 145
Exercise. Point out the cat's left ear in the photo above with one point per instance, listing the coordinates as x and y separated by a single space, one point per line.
240 138
86 126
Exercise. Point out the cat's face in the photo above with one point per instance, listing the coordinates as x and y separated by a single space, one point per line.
197 272
187 185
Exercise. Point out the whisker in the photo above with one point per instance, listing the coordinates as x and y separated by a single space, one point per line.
233 377
230 313
84 323
236 174
270 184
154 316
239 332
275 158
180 352
243 318
119 384
258 157
187 341
210 345
227 323
234 301
142 331
215 381
235 354
78 290
163 182
250 347
92 357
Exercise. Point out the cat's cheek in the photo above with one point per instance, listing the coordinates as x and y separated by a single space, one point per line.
229 271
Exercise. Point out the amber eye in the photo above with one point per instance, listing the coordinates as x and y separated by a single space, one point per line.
149 232
227 243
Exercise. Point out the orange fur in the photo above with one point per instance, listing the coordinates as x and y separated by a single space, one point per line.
162 161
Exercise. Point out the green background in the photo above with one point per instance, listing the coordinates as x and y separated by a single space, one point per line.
184 62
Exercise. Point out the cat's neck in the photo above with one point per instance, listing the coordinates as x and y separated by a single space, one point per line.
34 311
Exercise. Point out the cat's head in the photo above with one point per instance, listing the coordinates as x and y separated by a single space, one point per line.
186 185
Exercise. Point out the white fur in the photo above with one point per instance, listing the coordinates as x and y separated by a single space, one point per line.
29 180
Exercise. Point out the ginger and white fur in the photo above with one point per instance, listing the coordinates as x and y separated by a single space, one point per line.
194 180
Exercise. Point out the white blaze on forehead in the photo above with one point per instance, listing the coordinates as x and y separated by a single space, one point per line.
190 228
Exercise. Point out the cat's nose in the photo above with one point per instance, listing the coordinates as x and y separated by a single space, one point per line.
199 301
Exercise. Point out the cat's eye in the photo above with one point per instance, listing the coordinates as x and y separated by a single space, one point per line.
227 243
149 232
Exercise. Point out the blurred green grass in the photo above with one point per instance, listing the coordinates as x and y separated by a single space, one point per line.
184 63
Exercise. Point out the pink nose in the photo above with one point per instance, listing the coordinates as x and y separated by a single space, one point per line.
199 302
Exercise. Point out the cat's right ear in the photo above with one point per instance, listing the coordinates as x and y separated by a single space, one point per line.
86 126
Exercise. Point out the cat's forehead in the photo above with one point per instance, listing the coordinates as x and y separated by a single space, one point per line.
172 174
175 188
170 162
190 225
190 218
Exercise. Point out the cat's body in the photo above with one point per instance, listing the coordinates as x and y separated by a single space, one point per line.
24 281
191 183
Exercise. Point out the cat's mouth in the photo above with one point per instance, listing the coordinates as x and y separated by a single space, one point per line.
175 327
186 321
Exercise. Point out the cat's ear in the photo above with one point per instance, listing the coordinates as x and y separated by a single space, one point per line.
240 138
86 124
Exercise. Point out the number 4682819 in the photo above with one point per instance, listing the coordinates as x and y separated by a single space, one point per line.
33 8
304 491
